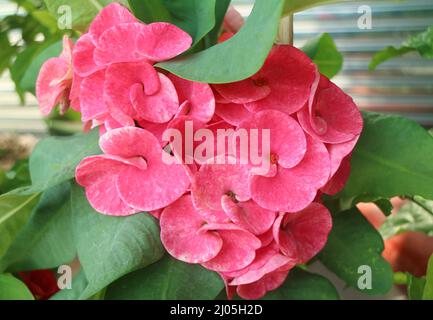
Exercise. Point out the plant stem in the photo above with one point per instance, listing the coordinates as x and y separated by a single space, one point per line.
285 33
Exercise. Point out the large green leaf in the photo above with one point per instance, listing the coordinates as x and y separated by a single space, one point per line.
393 157
413 216
197 17
221 7
325 55
353 243
237 58
28 80
168 279
13 289
79 285
303 285
111 247
421 43
54 159
46 241
14 213
83 11
428 289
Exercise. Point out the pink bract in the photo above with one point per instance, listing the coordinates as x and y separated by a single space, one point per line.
144 187
294 189
55 80
238 250
287 140
198 98
110 16
214 181
303 234
181 234
98 176
331 116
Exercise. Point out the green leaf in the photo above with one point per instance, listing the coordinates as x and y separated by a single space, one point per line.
353 243
324 53
13 289
79 285
168 279
237 58
46 19
83 11
292 6
393 157
14 213
303 285
28 80
415 287
428 289
111 247
197 17
150 10
54 159
421 43
413 216
221 7
46 241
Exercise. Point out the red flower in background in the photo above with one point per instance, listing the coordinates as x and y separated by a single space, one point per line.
41 283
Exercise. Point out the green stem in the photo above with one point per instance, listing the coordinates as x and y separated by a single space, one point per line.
422 205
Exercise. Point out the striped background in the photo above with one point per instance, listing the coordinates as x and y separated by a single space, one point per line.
403 85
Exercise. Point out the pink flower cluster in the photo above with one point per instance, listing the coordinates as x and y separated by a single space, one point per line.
249 226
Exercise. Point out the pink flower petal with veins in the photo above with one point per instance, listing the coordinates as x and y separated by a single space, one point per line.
120 79
258 289
180 224
200 98
248 215
50 86
151 188
332 117
338 152
303 234
159 107
74 95
238 250
161 41
92 97
213 181
294 189
82 56
110 16
289 73
339 179
97 175
272 264
263 255
245 91
233 113
119 44
287 139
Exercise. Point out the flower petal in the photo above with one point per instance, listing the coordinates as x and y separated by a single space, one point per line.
303 234
97 174
159 107
238 250
294 189
289 73
332 117
200 97
180 223
161 41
